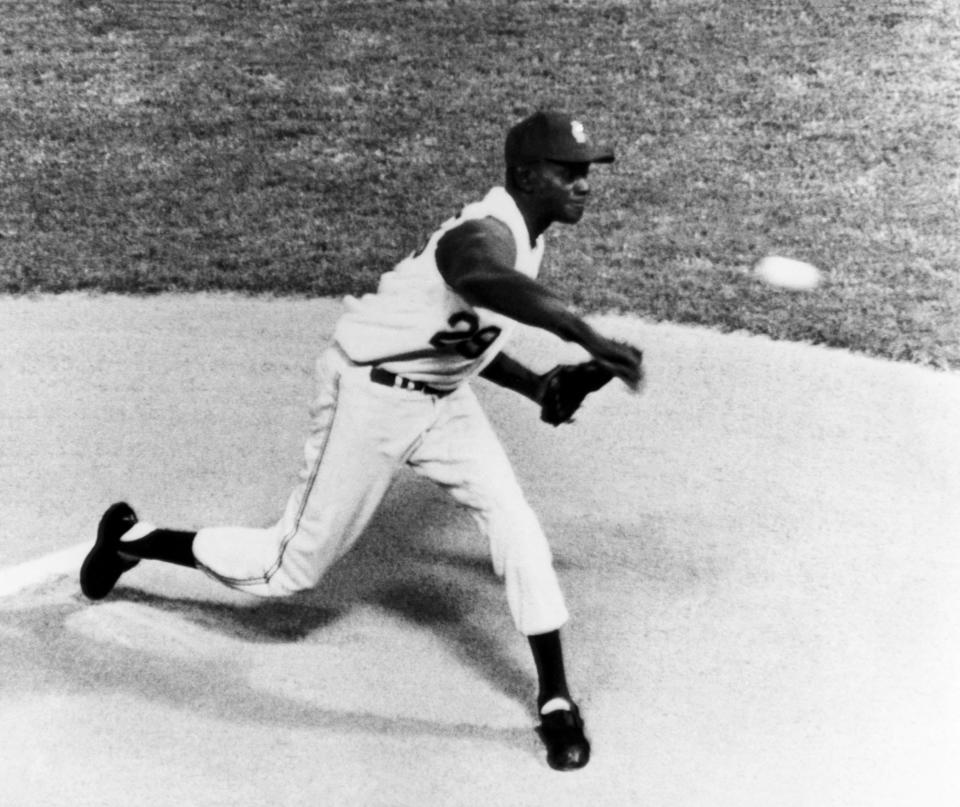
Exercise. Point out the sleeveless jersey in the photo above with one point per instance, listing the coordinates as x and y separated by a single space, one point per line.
418 327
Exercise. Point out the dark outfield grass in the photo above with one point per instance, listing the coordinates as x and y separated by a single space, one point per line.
300 147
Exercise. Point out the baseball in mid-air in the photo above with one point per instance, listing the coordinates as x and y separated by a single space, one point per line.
788 273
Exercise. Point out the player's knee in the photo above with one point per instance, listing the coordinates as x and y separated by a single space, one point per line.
519 544
529 562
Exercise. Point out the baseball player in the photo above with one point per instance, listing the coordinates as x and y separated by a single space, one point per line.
394 391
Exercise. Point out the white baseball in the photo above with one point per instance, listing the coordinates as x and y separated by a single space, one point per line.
788 273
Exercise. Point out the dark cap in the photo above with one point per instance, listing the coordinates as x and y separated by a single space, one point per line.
549 135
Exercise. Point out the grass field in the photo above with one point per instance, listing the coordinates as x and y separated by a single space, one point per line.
301 146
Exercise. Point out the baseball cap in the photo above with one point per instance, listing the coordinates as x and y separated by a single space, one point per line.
552 135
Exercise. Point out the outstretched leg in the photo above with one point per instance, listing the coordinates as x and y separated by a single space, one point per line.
360 435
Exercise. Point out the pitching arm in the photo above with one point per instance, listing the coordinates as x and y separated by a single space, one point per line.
476 260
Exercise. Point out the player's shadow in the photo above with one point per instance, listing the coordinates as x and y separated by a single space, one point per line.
431 600
453 593
419 561
41 650
273 620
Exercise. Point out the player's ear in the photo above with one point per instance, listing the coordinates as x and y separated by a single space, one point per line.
525 177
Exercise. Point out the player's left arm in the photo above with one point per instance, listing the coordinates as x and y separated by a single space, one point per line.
558 392
507 372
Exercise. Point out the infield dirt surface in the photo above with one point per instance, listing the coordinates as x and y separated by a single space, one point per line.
760 554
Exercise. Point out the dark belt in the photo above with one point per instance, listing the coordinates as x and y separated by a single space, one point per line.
380 376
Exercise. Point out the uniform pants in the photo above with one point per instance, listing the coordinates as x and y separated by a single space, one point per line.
361 435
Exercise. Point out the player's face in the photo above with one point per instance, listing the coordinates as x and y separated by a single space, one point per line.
563 190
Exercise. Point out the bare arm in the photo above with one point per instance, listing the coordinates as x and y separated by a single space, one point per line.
476 260
508 372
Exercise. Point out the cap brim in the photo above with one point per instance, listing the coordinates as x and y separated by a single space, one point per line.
583 154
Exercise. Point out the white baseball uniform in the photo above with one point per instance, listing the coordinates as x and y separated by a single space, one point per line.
362 433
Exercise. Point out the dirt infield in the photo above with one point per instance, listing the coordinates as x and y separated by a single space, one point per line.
760 553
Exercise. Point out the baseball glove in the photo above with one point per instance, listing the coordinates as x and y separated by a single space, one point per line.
565 387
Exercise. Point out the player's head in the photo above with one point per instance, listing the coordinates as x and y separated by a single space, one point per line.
552 135
548 156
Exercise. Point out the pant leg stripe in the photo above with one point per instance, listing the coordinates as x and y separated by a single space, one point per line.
308 489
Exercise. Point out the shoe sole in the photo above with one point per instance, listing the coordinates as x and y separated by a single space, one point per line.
103 565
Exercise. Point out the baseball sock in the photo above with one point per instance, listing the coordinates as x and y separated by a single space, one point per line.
548 656
172 546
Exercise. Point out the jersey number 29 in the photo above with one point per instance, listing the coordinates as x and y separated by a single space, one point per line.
465 336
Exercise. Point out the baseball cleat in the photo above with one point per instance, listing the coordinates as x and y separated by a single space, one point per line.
562 733
103 565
